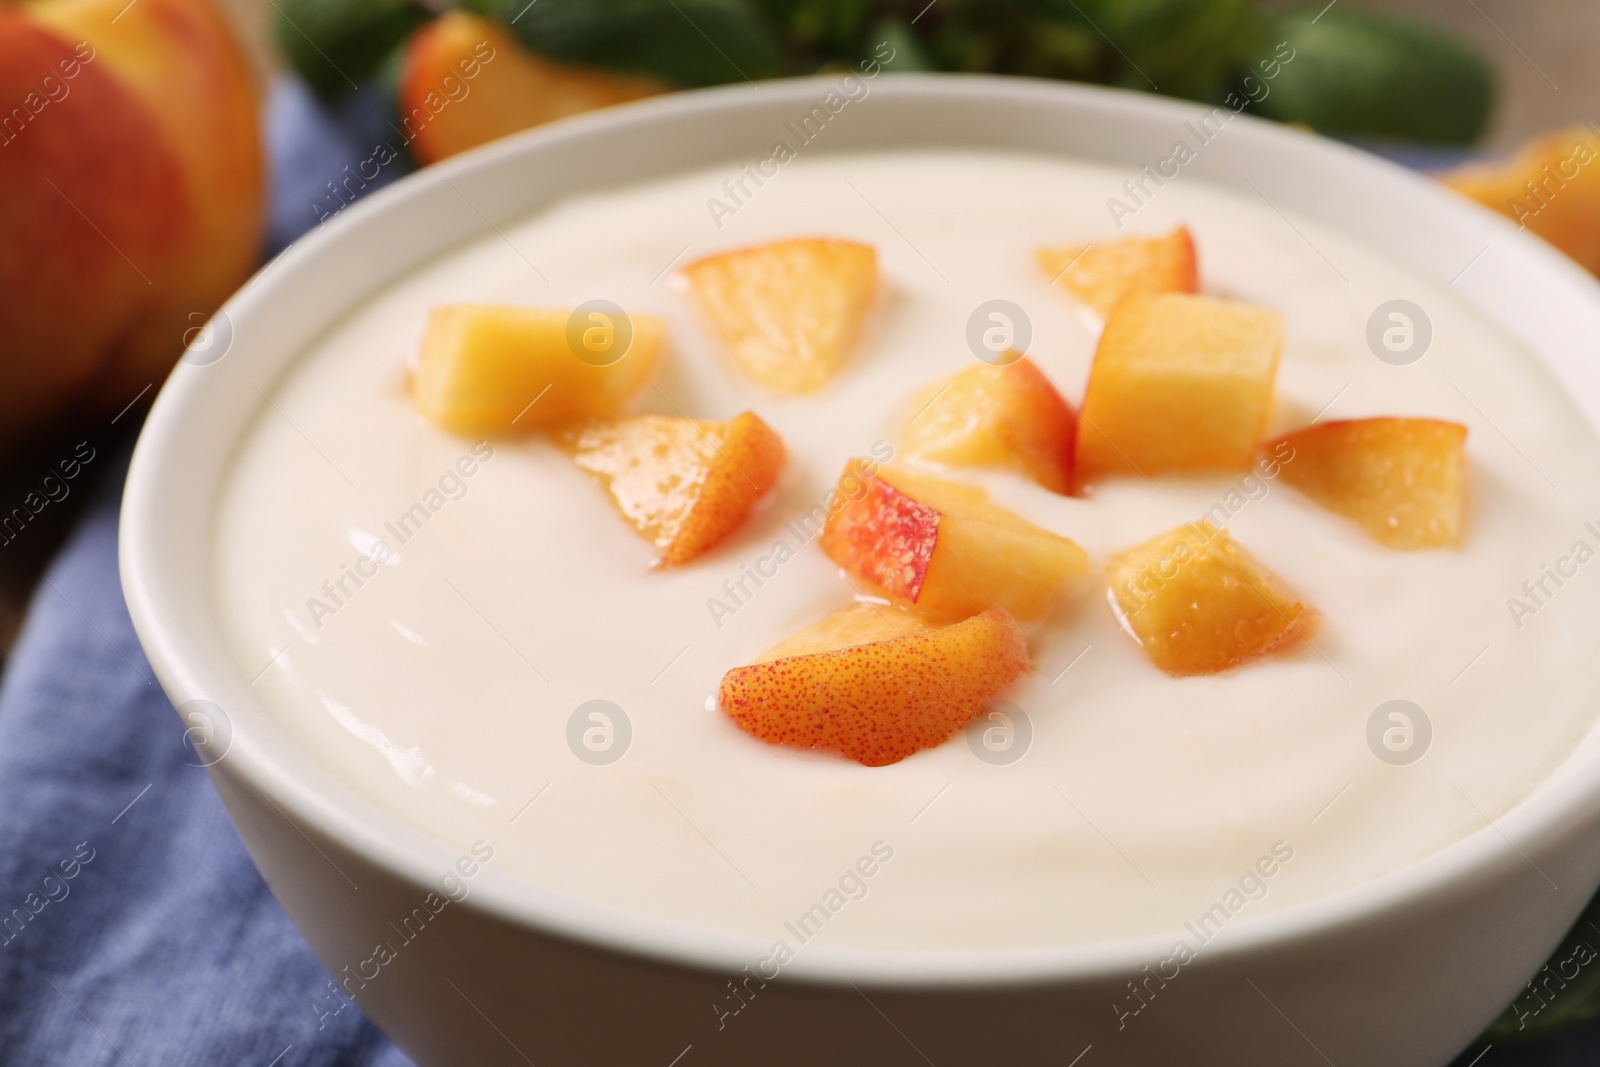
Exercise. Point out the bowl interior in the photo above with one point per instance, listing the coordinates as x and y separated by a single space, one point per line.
1533 294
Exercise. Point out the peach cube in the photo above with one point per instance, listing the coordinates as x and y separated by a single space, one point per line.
1198 603
1179 383
1403 481
875 683
1100 275
487 369
683 484
788 312
945 547
997 416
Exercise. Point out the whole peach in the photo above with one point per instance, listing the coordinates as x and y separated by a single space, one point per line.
131 199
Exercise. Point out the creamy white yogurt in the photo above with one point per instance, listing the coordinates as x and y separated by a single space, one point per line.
441 687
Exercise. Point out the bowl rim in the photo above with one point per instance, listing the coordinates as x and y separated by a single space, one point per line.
299 787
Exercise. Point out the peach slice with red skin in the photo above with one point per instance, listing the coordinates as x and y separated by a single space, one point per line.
944 546
1179 383
683 484
875 683
1198 603
1100 275
1403 481
997 416
788 312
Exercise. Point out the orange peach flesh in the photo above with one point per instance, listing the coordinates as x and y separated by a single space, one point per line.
1100 275
490 369
1198 603
894 687
508 88
683 484
1550 186
1403 481
787 312
1179 383
997 416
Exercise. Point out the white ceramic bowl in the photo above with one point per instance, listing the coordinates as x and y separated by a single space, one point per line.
1403 970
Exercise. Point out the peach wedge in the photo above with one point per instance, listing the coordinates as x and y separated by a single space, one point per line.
1198 603
683 484
1179 383
787 312
485 369
944 546
508 88
1403 481
1548 187
997 416
1100 275
875 683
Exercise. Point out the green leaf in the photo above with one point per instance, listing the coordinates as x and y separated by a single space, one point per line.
896 46
1187 48
688 42
1369 75
334 45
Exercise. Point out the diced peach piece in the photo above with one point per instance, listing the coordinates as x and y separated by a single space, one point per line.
1404 481
1199 603
490 369
997 416
1179 383
875 683
944 546
788 312
1100 275
1549 186
683 484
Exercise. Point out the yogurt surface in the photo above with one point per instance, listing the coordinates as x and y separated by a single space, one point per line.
496 595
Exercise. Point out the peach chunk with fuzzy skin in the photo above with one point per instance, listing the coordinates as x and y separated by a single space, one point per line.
1179 383
1100 275
944 546
875 683
683 484
489 370
997 416
788 312
1198 603
1403 481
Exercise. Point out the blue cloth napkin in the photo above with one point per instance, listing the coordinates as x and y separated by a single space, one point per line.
134 930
